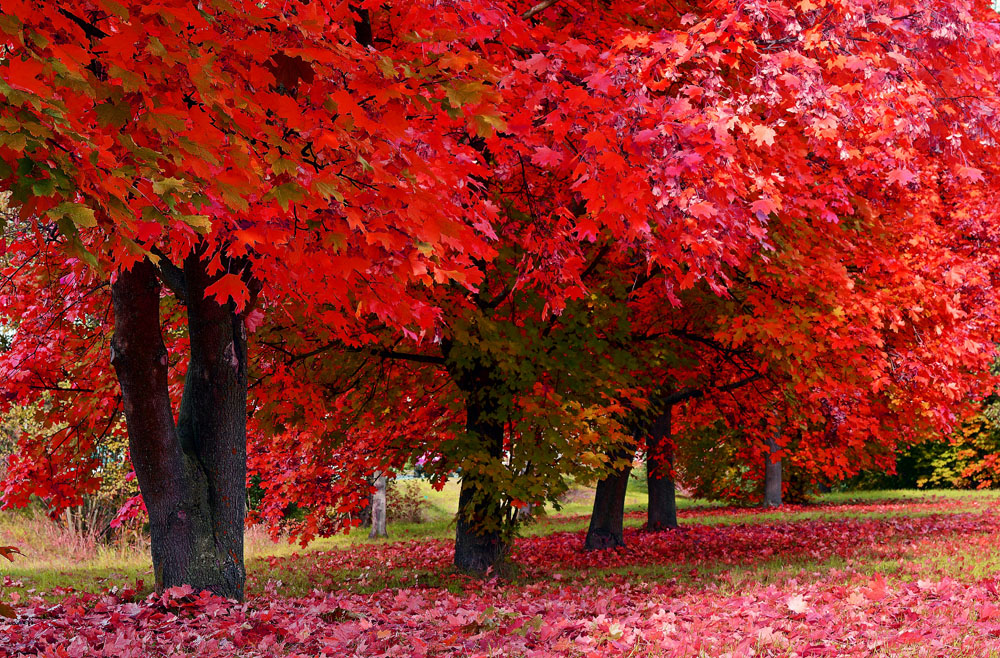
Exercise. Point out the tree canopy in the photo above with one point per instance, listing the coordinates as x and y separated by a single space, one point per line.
500 237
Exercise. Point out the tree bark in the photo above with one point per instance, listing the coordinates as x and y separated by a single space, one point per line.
608 516
192 475
661 510
378 508
772 475
480 541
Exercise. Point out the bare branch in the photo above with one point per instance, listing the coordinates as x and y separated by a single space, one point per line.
540 7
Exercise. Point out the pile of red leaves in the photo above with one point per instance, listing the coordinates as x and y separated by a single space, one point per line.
584 611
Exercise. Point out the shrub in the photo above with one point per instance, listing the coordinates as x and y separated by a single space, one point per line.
404 503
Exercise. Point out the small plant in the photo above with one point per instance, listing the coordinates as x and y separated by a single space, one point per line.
404 503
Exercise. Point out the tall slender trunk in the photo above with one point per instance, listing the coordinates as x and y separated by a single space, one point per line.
378 508
772 475
192 474
661 509
608 516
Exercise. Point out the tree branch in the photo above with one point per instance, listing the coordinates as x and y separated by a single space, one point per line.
384 353
171 275
540 7
692 393
89 29
408 356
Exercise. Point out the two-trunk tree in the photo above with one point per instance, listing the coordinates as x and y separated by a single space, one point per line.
608 515
192 472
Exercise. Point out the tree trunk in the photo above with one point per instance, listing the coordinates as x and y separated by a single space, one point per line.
661 509
479 541
192 475
772 475
608 517
378 508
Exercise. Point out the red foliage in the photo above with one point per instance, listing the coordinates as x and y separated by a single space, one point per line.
808 186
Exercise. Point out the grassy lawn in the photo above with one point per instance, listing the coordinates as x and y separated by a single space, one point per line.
53 562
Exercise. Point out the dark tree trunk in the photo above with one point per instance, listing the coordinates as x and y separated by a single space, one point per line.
378 508
662 505
192 475
608 516
772 476
480 537
479 540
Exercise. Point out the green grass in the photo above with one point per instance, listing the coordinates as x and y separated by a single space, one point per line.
919 495
48 566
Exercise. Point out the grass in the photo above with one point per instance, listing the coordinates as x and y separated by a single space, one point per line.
54 561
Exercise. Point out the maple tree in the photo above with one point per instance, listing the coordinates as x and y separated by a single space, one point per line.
721 205
868 319
487 232
243 157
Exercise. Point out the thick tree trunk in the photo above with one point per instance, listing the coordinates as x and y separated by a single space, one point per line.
607 518
479 541
378 508
661 509
772 476
192 475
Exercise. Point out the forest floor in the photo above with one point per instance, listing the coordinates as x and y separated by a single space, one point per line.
897 573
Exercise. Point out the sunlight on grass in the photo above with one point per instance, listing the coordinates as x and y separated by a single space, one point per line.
53 559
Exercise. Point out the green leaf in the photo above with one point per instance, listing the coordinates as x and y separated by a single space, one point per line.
10 24
79 214
168 185
466 93
152 214
487 124
284 166
286 194
43 187
16 141
155 47
114 115
68 228
386 66
328 189
200 223
117 9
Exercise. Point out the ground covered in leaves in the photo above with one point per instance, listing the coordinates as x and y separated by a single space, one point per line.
904 578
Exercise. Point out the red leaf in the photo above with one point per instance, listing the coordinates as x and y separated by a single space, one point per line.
229 286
